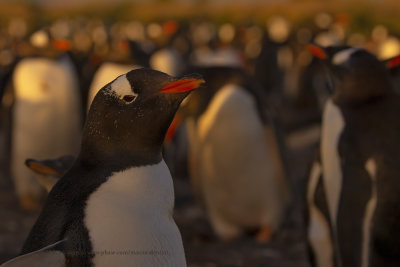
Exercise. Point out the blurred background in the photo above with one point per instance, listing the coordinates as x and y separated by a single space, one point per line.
265 38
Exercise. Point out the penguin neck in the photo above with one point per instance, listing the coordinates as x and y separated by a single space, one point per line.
362 93
118 158
363 86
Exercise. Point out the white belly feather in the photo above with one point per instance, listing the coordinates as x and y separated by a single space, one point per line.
318 228
129 219
235 168
332 128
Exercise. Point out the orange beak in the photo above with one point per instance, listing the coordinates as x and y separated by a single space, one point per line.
317 51
183 85
394 62
41 168
172 129
62 45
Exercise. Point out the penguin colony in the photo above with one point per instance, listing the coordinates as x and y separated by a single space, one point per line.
123 183
234 148
353 184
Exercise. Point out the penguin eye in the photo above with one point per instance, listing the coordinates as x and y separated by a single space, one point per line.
129 98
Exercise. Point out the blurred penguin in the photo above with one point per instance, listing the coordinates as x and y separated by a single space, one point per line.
167 60
235 161
353 190
46 113
49 171
394 66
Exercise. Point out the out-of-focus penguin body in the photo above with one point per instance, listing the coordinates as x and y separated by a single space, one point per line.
114 206
235 162
357 166
46 116
318 223
168 61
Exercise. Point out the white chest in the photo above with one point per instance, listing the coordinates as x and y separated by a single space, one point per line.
233 158
129 219
332 128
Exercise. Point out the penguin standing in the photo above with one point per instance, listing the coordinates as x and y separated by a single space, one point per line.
114 206
46 118
235 161
353 191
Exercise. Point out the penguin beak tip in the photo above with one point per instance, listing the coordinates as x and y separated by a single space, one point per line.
185 84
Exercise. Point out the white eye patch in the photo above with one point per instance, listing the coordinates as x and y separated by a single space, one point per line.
122 89
344 55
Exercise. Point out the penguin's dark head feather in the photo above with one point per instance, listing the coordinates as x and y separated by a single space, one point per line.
129 117
357 75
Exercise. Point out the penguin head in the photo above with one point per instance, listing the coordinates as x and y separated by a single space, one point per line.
356 75
51 167
129 117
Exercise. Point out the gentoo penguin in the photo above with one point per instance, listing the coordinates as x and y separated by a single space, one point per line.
353 190
46 118
114 205
49 171
235 161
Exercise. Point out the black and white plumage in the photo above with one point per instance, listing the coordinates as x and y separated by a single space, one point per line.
114 206
235 159
353 190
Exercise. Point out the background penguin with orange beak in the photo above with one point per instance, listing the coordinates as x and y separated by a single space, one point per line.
353 189
49 171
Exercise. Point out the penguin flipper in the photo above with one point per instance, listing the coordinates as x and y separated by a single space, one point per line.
47 256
